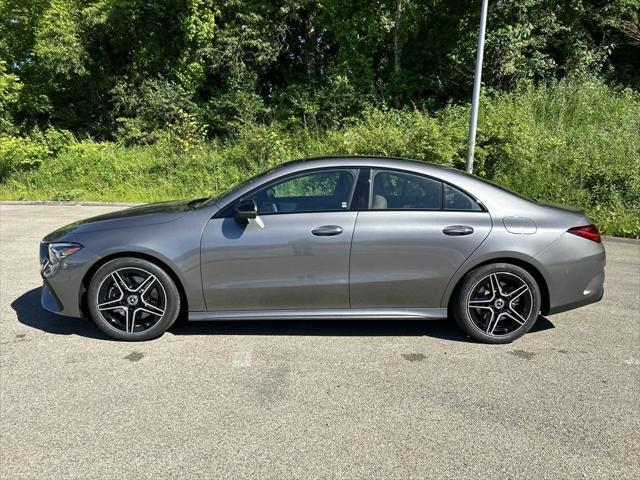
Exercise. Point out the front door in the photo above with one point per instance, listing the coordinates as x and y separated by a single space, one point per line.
295 255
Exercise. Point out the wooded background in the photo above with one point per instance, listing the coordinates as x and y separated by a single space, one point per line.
113 68
222 87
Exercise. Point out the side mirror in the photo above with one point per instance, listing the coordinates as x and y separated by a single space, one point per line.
246 210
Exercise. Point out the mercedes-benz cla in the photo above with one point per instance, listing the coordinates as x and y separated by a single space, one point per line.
329 238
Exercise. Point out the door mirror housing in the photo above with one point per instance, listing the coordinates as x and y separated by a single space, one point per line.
245 210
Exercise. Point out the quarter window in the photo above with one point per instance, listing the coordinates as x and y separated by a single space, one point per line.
399 190
323 190
454 199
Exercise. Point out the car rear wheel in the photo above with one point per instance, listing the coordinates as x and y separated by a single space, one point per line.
133 299
497 303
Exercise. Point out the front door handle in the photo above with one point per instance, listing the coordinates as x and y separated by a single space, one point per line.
457 230
327 230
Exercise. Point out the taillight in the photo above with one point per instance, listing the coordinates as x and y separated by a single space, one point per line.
590 232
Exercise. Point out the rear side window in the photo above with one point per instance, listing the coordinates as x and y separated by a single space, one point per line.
454 199
399 190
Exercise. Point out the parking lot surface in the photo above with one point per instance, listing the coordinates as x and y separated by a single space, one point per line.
334 399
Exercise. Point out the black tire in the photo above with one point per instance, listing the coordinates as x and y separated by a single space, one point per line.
499 312
133 299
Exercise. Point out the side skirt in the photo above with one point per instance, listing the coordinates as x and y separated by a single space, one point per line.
323 314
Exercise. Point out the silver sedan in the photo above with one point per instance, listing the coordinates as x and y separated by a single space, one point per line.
350 237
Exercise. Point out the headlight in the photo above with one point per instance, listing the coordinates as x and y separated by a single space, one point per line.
60 250
57 251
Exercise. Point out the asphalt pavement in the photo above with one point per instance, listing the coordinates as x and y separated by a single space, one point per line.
333 399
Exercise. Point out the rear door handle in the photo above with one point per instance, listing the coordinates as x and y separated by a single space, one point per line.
327 230
457 230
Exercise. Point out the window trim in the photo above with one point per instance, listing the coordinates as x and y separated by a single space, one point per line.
362 170
483 209
227 210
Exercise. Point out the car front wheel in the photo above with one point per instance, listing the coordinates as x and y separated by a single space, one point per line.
497 303
133 299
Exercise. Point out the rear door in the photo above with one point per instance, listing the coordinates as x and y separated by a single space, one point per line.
413 237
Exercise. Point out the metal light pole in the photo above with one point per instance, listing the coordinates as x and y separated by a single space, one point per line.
476 87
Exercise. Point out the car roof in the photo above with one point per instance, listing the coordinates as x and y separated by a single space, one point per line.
441 172
372 160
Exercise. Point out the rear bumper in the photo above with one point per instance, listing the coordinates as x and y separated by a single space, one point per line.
574 272
580 303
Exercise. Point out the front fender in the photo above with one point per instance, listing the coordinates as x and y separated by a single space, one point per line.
175 245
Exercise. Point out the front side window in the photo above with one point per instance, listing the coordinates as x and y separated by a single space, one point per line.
322 190
399 190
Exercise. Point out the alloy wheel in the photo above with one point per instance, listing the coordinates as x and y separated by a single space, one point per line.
131 300
500 303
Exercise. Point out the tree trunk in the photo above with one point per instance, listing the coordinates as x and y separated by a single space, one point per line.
309 54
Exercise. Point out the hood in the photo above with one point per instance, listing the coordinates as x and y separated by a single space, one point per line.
150 214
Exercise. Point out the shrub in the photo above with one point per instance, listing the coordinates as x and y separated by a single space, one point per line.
19 154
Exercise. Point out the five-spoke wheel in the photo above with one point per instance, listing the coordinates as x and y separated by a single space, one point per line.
133 299
498 303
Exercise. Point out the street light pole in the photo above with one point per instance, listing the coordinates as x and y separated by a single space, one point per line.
476 87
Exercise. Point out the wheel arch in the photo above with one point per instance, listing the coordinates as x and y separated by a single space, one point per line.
132 254
528 266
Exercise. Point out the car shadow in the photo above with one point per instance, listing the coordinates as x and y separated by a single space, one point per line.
442 329
29 312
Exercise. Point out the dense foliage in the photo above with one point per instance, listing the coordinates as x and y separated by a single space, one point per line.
124 69
153 99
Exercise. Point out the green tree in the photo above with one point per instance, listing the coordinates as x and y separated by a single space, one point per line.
10 87
92 66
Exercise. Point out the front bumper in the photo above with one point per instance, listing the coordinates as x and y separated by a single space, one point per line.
62 288
48 298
